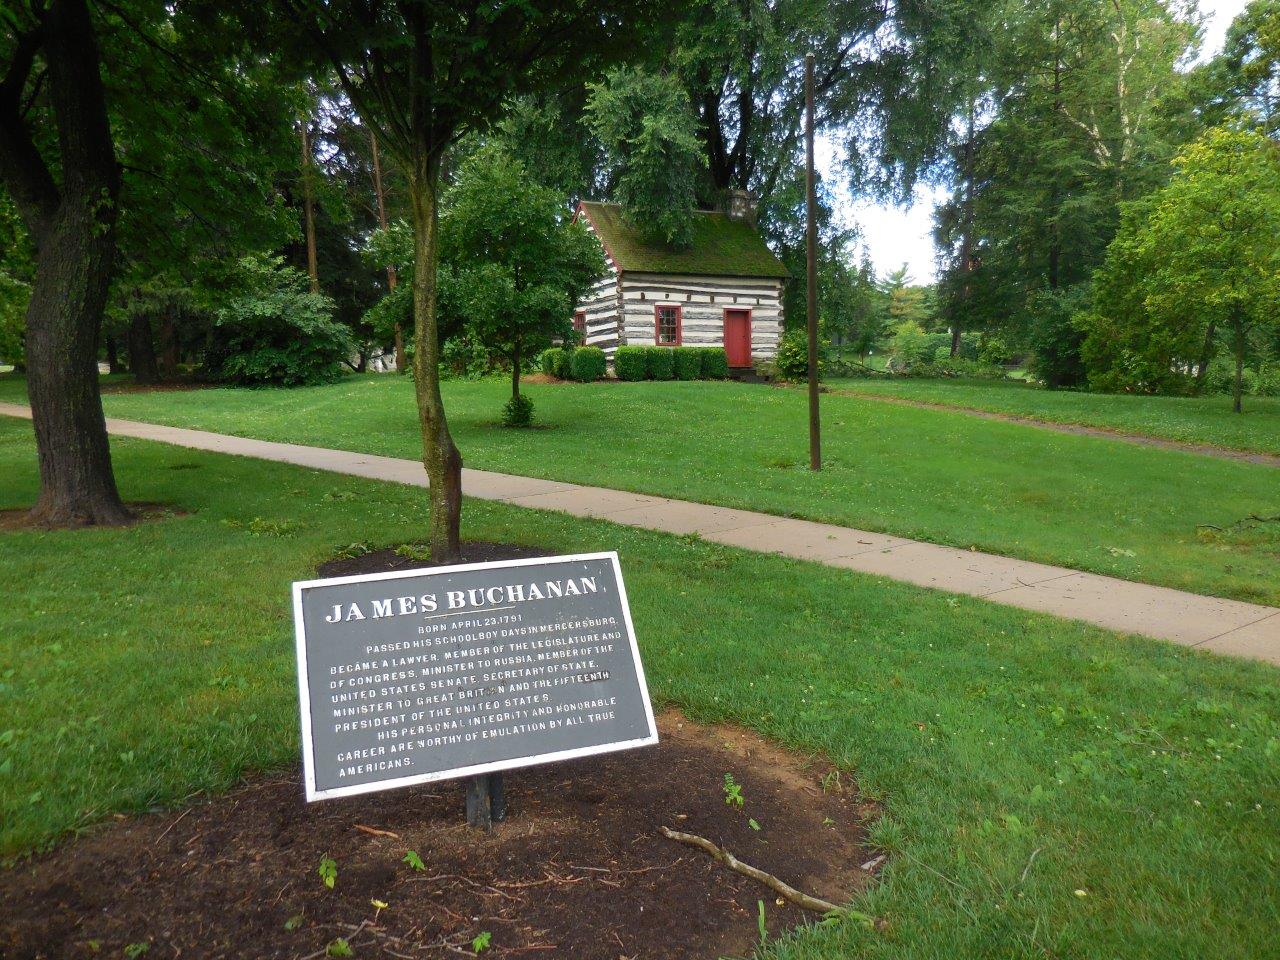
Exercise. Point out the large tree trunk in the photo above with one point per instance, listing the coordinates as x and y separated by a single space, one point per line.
71 220
142 351
168 347
439 454
73 271
1206 354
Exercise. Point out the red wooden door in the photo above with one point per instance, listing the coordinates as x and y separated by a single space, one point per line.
737 337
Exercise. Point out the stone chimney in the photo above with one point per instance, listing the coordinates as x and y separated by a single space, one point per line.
740 205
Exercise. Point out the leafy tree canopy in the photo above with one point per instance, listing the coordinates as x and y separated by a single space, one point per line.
1198 258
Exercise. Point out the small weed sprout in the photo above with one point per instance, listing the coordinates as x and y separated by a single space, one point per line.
328 871
751 822
761 926
135 950
480 943
413 860
733 791
338 948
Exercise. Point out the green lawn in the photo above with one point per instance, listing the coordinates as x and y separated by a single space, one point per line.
1190 419
1018 758
1082 502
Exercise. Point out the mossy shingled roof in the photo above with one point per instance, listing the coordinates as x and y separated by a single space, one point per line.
721 246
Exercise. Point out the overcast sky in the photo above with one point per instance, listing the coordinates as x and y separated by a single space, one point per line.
897 235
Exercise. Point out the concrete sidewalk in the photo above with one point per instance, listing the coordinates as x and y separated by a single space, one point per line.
1208 623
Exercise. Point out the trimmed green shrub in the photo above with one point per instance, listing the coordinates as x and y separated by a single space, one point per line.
661 363
588 364
715 363
549 362
688 361
517 412
793 356
564 363
631 363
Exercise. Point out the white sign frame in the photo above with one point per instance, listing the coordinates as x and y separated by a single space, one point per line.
304 696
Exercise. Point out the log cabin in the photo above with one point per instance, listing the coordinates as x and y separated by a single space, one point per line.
724 290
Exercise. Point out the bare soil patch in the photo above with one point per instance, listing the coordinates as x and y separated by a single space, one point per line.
19 518
577 870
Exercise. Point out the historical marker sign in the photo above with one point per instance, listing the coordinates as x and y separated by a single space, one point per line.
422 675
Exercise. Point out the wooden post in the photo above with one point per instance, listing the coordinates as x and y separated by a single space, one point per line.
309 213
811 256
486 801
479 810
391 268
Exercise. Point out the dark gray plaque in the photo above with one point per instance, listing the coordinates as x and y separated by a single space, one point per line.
424 675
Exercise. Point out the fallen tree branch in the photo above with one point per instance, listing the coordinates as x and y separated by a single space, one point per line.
375 832
780 887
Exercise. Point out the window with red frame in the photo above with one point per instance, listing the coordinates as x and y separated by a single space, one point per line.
667 326
580 325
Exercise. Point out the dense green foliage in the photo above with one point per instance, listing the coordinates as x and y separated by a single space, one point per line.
660 363
631 363
550 361
518 411
588 364
1195 261
792 361
650 136
715 362
688 363
516 260
273 330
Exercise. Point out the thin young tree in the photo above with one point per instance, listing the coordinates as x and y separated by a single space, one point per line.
423 73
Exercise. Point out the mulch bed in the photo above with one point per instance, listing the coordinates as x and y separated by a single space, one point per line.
577 870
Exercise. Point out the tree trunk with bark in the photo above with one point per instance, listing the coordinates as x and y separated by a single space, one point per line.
439 454
113 357
71 221
401 363
515 370
168 348
142 351
309 211
1206 354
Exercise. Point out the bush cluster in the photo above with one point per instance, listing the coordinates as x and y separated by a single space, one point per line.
517 412
1261 380
671 363
587 364
573 363
792 361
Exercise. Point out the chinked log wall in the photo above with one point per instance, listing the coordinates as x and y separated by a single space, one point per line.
702 302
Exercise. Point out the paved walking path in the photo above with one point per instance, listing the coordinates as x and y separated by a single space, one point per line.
1079 429
1209 623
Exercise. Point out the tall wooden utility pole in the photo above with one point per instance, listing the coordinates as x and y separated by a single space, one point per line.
811 255
309 211
391 267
